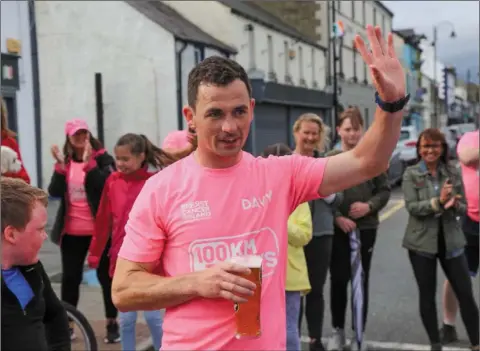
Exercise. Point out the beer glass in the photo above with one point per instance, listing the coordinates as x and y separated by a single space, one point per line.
247 314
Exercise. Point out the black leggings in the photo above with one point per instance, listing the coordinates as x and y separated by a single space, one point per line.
340 273
317 253
456 271
74 250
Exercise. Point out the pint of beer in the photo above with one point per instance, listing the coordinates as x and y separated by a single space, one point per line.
247 314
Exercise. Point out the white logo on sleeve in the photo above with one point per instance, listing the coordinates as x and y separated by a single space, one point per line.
205 253
257 202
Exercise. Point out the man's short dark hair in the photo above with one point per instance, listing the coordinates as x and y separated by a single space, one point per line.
217 71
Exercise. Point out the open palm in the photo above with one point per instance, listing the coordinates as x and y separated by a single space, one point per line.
387 72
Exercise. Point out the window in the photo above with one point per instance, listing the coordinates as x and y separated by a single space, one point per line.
365 73
353 9
364 13
300 63
197 55
251 45
287 59
374 17
270 54
314 80
341 56
355 76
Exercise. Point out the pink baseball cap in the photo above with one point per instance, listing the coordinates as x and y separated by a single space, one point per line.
74 125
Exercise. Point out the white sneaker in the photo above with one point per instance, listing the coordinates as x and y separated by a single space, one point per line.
337 340
354 345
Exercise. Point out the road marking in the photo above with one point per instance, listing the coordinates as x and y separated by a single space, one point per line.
381 345
392 210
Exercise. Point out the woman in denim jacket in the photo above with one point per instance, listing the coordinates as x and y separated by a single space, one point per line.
434 199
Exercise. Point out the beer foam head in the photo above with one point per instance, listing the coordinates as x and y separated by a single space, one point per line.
250 261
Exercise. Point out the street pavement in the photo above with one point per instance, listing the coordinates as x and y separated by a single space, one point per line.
394 322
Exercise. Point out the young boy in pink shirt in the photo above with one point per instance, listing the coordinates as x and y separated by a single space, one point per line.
221 202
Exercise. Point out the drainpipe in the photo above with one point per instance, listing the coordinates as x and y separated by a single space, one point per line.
180 85
36 90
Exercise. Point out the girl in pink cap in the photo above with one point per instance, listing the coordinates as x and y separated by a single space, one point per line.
81 169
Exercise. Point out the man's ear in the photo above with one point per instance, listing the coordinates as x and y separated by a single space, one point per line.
9 234
188 113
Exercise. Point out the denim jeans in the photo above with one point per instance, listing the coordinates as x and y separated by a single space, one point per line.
292 303
128 320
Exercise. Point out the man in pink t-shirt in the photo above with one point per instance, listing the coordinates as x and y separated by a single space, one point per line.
221 202
468 154
468 151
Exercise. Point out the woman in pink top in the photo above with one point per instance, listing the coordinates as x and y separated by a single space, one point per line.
78 180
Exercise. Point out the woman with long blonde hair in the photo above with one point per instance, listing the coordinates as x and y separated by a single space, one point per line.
311 139
8 140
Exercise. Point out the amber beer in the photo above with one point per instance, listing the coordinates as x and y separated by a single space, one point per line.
247 314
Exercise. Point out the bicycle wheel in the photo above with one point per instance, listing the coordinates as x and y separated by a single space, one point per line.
83 326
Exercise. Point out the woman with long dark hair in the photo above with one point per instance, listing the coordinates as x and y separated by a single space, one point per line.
78 180
435 199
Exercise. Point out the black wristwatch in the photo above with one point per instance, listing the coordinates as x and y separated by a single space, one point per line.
391 106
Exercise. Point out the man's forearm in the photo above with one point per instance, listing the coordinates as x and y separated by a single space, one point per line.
376 147
146 291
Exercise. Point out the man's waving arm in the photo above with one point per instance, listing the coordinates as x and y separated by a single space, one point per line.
371 156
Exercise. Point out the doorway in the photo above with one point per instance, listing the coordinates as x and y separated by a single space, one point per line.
11 104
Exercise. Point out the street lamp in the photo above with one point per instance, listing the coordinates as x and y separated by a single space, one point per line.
434 44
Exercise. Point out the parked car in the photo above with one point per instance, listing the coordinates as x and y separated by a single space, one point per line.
407 145
396 167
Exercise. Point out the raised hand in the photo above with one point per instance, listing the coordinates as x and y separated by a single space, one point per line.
387 73
56 154
87 152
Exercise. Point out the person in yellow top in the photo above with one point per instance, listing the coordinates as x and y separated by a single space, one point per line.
297 283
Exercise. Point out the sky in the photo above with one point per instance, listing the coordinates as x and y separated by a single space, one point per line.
463 51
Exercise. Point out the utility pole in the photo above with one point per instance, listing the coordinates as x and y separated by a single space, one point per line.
334 54
435 97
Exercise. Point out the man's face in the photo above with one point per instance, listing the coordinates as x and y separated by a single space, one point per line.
221 118
25 244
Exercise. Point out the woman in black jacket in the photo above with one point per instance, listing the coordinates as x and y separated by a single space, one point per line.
78 179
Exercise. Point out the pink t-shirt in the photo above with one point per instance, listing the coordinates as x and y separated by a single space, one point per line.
208 215
176 140
470 175
78 219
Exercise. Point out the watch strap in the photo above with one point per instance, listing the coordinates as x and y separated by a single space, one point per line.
391 107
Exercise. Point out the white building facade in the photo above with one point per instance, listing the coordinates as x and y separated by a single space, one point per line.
284 59
142 86
18 88
287 70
